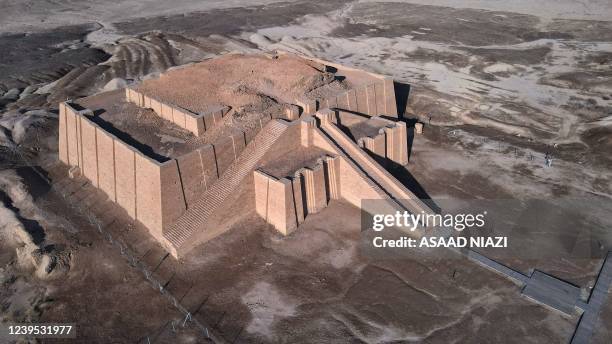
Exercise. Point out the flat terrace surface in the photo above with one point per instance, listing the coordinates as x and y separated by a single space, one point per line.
367 127
253 81
141 128
154 136
288 164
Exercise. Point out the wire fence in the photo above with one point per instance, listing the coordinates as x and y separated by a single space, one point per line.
137 264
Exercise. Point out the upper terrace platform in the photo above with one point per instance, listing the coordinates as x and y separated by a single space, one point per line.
293 160
251 82
232 95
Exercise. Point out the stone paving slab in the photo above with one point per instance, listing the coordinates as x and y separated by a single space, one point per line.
552 292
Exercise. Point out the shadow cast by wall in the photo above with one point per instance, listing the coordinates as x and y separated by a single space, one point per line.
410 122
36 179
402 91
407 179
127 138
33 228
344 128
147 150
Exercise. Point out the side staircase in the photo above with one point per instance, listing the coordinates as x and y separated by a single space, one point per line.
194 219
381 177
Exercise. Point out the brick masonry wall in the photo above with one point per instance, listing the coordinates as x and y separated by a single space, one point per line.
147 190
377 98
286 202
195 123
154 193
390 143
374 99
363 164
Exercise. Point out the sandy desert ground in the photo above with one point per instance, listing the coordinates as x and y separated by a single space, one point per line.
497 84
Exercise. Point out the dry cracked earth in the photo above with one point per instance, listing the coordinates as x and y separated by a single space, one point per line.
497 85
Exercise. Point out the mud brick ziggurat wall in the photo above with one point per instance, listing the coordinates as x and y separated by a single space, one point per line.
176 198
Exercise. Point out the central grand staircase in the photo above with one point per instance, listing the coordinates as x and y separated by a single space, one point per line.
193 221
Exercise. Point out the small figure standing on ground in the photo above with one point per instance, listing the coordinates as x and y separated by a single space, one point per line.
548 160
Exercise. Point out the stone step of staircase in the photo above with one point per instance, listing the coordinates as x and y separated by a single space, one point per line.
196 216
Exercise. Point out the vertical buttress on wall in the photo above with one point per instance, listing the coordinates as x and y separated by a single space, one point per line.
286 202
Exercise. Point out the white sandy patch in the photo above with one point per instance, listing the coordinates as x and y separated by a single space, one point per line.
267 307
168 138
114 84
19 123
341 258
500 68
105 35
